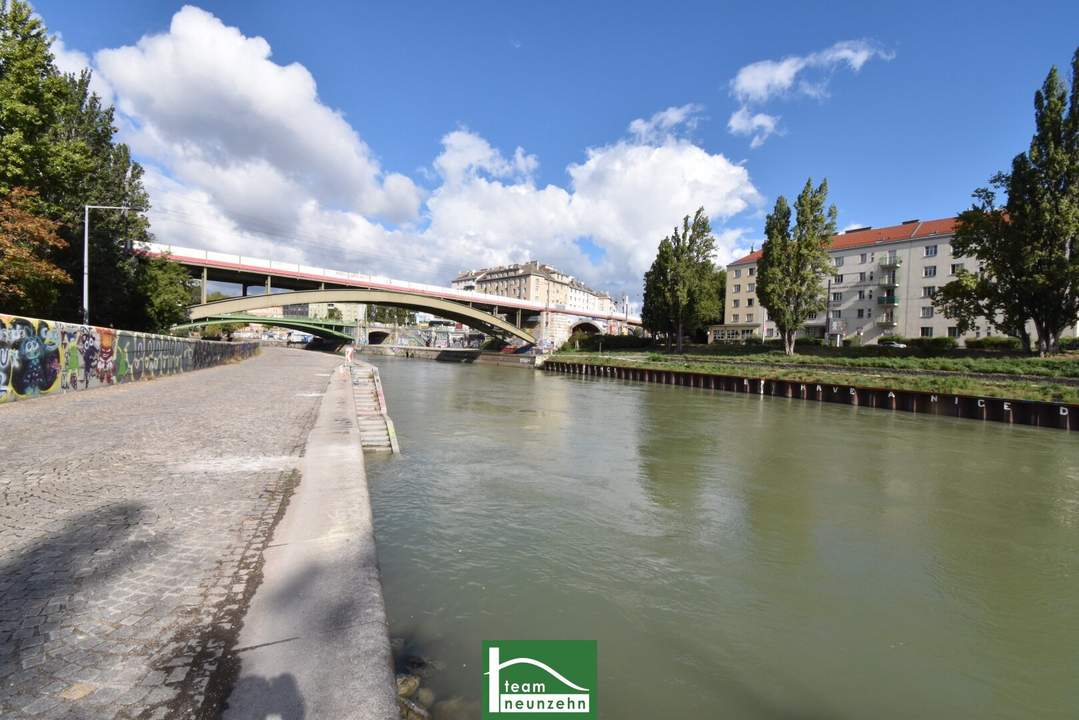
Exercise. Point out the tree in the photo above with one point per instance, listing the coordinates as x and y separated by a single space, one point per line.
1027 248
794 260
390 315
334 313
28 280
164 286
57 140
692 248
656 311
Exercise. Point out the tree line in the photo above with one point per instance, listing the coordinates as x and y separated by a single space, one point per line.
57 154
1027 248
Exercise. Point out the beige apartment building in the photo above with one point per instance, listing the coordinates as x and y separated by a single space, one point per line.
535 282
883 283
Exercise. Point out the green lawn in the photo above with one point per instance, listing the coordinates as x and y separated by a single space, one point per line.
860 375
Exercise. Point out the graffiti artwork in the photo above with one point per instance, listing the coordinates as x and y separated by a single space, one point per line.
38 357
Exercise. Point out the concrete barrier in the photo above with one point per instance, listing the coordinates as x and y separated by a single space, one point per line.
45 357
1039 413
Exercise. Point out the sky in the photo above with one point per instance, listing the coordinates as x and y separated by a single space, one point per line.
419 139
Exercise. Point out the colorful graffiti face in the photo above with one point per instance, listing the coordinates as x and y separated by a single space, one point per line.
39 357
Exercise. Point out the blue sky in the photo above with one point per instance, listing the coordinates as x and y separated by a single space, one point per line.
942 101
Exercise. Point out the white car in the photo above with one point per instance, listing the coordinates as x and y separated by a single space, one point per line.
891 344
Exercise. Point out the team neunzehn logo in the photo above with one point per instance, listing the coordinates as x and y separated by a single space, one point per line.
540 678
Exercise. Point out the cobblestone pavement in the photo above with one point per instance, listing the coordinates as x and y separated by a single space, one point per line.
132 524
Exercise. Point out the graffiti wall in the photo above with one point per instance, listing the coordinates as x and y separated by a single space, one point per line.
40 357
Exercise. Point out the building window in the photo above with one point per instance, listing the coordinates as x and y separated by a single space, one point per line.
956 267
861 294
927 331
838 260
738 272
738 288
752 271
836 314
749 302
861 277
749 317
770 332
929 291
927 311
837 297
752 287
838 279
812 316
953 331
861 313
930 251
736 302
734 318
929 271
863 258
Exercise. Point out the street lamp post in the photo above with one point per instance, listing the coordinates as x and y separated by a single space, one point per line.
86 255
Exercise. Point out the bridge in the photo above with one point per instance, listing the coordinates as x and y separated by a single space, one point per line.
280 283
327 329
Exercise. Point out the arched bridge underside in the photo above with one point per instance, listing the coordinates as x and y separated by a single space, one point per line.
459 312
328 331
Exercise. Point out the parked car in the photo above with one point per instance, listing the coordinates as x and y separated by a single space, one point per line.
891 344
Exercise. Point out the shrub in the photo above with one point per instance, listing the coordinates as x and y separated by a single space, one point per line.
934 344
753 340
584 341
893 338
1066 343
994 343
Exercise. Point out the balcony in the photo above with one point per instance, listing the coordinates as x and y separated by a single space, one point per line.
887 322
888 300
890 262
889 280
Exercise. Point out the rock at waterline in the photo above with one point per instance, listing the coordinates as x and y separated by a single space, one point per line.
411 710
425 697
407 685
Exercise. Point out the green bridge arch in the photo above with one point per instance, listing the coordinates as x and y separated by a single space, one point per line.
319 328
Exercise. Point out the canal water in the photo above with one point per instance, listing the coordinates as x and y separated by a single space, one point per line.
735 556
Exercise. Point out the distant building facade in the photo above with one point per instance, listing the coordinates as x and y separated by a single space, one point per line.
883 282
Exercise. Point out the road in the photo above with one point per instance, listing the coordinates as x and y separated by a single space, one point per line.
132 526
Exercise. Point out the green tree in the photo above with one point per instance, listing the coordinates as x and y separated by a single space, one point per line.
692 247
57 140
28 280
390 315
656 311
334 313
1027 248
164 285
794 260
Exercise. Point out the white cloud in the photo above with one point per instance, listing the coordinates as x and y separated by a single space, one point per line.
244 157
209 101
759 125
70 60
807 75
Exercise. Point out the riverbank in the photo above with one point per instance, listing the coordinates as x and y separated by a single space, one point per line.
1052 379
839 388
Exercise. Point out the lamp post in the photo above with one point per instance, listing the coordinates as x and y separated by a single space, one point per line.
86 255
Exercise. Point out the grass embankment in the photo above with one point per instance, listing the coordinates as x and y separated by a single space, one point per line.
870 371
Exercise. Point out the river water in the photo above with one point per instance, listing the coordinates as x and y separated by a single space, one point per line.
735 556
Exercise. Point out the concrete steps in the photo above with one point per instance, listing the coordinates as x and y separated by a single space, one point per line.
375 426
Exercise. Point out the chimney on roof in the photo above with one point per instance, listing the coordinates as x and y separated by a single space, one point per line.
859 229
909 222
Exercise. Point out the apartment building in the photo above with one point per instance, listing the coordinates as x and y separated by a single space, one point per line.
535 282
882 283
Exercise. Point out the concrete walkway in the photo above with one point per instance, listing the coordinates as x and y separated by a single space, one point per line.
134 525
314 641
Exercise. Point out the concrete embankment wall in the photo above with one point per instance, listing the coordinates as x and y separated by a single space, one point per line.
449 354
45 357
1021 412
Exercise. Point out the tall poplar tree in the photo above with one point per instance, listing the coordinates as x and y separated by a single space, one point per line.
1028 248
794 260
656 311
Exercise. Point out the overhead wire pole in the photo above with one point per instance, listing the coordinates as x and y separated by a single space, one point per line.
86 255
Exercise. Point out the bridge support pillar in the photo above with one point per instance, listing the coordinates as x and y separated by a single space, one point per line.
245 290
518 317
267 284
204 286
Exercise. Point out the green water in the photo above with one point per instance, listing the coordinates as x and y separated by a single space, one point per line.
735 556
